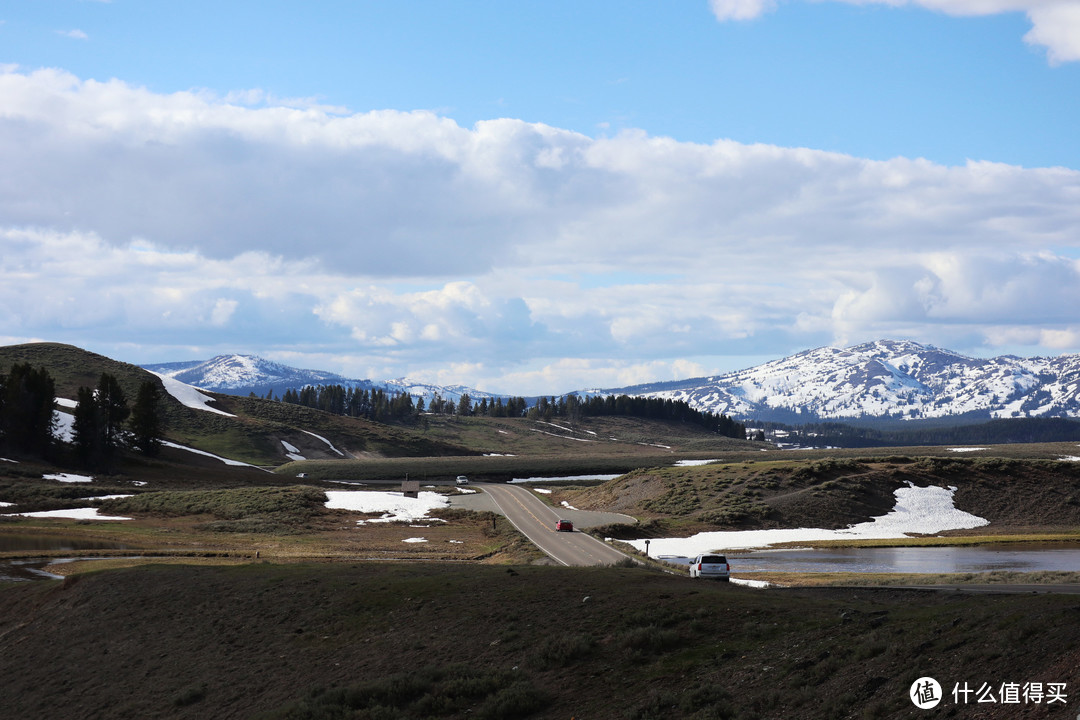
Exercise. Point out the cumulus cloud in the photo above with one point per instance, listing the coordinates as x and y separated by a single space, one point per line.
458 315
1055 24
740 9
401 243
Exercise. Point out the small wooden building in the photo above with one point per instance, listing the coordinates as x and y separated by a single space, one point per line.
410 488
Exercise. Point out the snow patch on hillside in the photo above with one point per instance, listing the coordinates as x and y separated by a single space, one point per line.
227 461
328 443
292 452
68 478
190 396
69 514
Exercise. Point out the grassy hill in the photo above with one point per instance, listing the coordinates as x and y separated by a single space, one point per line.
1014 494
254 435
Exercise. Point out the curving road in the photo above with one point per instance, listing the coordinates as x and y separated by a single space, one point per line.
536 520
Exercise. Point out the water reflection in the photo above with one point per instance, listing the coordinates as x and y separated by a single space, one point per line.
1025 557
22 570
34 569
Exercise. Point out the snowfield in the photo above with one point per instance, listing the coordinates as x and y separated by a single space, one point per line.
68 478
918 510
292 452
190 396
394 506
70 514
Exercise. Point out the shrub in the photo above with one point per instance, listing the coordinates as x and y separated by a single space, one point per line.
650 639
297 501
562 650
428 692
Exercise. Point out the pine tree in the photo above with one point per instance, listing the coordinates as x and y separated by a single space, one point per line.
27 401
85 427
146 422
112 410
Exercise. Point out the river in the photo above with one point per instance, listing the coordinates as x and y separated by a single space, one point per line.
1016 557
19 569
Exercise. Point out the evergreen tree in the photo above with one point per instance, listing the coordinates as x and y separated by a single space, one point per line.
27 401
85 427
112 411
146 421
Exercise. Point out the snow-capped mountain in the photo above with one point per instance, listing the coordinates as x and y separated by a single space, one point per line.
241 374
246 374
883 379
897 379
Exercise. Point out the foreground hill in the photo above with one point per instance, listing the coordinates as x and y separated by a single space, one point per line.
449 640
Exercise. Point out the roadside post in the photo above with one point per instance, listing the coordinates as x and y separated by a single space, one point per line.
646 548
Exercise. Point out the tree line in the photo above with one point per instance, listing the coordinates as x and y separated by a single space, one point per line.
388 407
102 423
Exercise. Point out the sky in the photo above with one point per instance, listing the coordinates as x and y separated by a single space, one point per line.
533 198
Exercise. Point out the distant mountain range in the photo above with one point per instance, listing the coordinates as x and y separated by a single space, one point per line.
246 374
883 379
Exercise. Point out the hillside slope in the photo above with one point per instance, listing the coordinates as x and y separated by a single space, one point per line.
250 430
1013 494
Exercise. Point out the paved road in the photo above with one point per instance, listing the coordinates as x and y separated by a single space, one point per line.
536 520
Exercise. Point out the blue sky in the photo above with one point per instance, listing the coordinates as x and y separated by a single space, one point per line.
538 197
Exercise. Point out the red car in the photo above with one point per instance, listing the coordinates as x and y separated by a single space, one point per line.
564 526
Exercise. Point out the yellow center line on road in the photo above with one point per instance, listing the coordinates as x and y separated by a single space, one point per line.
522 505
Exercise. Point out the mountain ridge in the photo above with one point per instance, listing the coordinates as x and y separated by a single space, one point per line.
897 379
239 374
882 379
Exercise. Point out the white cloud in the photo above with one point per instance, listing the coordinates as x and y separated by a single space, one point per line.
75 34
384 244
740 9
1055 24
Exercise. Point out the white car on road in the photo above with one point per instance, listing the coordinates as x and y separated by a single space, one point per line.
710 565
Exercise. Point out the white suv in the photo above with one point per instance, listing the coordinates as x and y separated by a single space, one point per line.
710 565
